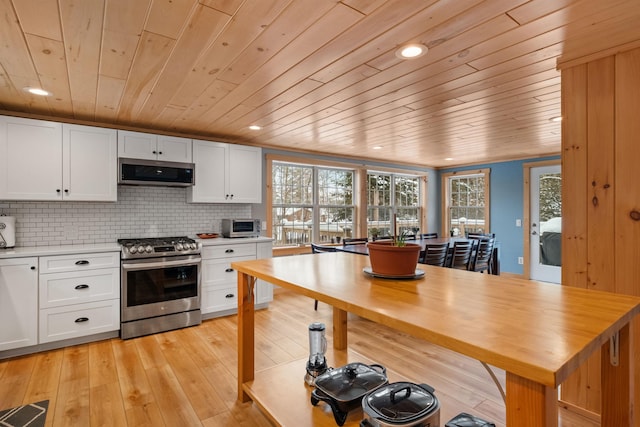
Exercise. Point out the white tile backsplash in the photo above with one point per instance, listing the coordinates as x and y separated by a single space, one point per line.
139 212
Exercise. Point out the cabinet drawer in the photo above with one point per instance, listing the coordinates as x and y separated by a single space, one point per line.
60 323
57 289
226 251
79 262
218 299
218 272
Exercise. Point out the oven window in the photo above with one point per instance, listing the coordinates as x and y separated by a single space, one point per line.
161 284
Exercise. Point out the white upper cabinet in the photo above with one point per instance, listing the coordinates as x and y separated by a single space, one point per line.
90 169
211 172
226 173
31 159
245 174
138 145
42 160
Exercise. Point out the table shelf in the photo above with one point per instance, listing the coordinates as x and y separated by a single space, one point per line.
283 396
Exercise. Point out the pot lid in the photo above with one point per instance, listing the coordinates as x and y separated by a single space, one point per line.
402 401
351 381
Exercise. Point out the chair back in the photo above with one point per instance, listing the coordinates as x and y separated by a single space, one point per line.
429 236
481 235
317 249
379 238
435 254
355 241
482 259
461 254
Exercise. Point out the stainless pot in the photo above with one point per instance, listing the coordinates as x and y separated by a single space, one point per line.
343 388
401 404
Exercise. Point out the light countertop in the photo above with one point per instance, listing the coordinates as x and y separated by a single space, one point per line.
30 251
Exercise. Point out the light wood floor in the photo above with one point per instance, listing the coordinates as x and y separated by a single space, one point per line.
188 377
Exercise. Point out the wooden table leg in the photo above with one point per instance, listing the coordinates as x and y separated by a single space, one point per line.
617 384
530 404
246 347
339 329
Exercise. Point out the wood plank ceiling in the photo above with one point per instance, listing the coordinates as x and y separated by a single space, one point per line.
316 75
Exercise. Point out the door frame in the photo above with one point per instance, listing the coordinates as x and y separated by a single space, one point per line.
526 217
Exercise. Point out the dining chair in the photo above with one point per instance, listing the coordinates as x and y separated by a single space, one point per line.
435 254
460 257
355 240
482 259
318 249
429 236
379 238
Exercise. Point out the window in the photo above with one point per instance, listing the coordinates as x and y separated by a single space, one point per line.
388 194
466 202
311 203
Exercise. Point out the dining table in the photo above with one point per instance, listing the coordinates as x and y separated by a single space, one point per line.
362 249
538 333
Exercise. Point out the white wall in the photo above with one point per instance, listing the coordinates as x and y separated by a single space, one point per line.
139 212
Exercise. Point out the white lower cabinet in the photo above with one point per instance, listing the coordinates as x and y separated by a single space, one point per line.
220 281
78 320
18 302
79 295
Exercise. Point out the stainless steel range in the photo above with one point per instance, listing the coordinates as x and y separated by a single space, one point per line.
160 285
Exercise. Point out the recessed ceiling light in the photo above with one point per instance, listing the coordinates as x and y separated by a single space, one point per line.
37 91
377 147
449 158
556 119
255 127
411 51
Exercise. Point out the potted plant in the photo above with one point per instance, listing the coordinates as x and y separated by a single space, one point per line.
396 258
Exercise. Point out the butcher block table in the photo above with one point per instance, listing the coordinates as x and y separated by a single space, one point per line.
537 333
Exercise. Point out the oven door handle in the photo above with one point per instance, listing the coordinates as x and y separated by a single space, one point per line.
159 264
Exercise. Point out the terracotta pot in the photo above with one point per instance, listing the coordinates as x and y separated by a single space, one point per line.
390 260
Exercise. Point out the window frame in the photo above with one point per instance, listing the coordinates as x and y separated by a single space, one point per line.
446 196
393 196
359 194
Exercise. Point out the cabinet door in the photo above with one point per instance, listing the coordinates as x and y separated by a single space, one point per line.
137 145
245 174
174 149
89 163
30 159
211 172
18 303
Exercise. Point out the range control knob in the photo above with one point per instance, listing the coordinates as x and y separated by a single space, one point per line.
149 249
193 246
179 246
132 250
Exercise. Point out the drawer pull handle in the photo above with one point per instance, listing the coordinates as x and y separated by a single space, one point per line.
83 286
82 262
82 319
229 296
229 270
33 267
229 251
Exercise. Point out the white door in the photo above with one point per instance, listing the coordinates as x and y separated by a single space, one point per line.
546 223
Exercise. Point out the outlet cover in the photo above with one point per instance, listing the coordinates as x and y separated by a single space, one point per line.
520 260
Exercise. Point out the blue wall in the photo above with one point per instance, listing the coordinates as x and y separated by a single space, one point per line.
506 184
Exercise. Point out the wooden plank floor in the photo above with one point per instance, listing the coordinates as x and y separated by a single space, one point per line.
188 377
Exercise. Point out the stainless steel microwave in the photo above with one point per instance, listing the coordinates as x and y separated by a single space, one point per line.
240 227
153 172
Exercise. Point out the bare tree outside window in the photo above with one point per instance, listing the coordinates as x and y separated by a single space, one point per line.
311 204
388 194
466 199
